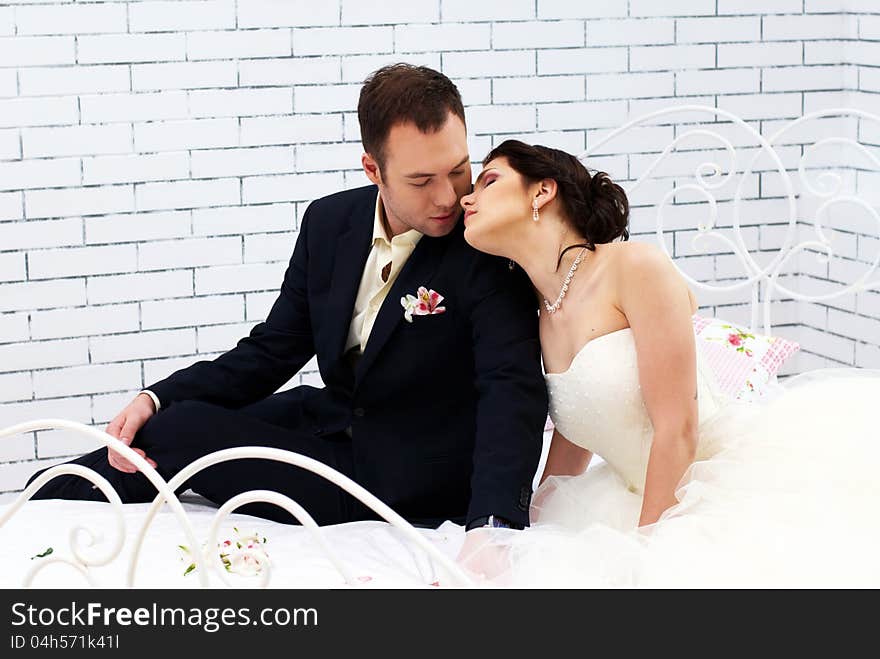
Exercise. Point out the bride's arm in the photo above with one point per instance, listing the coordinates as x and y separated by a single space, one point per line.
565 458
656 302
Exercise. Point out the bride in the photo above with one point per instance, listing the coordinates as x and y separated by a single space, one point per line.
695 490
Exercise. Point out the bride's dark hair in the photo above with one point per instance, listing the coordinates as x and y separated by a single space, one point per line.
595 205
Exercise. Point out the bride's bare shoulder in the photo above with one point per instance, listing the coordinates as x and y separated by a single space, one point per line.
638 256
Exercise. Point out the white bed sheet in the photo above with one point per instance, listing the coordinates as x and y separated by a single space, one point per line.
374 551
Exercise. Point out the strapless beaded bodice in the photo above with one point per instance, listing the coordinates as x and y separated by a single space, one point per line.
597 404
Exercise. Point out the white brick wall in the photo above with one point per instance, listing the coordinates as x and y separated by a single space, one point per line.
156 156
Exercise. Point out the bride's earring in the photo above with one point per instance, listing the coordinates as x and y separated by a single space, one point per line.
535 215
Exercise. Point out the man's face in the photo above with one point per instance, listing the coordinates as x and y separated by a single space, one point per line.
424 177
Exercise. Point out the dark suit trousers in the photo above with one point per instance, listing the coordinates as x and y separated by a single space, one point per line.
188 430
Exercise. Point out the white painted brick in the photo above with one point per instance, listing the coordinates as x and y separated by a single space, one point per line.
568 9
356 68
242 162
84 321
491 64
171 16
7 20
869 80
635 140
351 130
672 8
473 92
71 19
630 85
258 305
488 10
269 247
865 53
786 28
289 187
130 48
143 345
867 356
323 157
161 255
238 43
85 379
582 60
291 130
65 443
762 106
759 54
289 71
181 135
106 406
36 234
326 98
31 51
826 6
14 476
727 81
828 52
15 386
105 108
183 75
74 261
192 311
824 343
11 266
8 83
187 194
75 140
130 169
137 227
629 32
42 294
538 34
869 27
73 409
441 37
25 174
548 88
488 119
9 145
155 370
569 141
240 278
240 102
13 327
18 447
560 116
43 354
287 13
853 326
687 243
803 78
244 219
720 29
141 286
759 7
342 40
73 80
867 6
81 201
221 337
662 58
18 112
357 12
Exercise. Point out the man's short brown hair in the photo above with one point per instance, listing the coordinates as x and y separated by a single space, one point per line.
402 93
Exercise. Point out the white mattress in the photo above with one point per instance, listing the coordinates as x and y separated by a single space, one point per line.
374 551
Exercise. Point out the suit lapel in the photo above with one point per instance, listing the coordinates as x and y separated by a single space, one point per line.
352 250
417 271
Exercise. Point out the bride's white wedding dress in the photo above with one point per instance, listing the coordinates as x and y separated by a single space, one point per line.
782 494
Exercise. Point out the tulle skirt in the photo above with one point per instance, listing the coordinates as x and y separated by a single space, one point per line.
790 498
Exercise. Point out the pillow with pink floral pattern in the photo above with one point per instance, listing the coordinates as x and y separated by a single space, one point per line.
743 361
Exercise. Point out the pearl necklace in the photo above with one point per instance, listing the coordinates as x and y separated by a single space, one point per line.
553 308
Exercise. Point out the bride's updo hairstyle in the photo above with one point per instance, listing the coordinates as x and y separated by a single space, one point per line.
595 205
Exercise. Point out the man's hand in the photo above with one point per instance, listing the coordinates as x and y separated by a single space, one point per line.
125 426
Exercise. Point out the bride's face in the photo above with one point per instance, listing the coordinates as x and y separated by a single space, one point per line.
494 213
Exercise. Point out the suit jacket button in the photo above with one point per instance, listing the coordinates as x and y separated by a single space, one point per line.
359 411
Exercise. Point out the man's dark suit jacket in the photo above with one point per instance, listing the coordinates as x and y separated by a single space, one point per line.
446 412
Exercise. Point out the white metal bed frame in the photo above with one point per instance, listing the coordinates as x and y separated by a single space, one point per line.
763 283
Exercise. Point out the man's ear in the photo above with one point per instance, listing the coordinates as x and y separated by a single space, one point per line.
371 168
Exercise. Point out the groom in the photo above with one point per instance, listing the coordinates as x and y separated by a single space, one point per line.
434 398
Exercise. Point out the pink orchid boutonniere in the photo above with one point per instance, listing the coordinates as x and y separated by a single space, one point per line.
424 303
